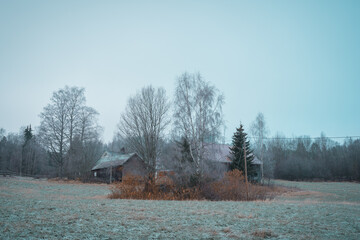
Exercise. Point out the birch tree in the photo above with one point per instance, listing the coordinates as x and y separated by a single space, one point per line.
197 114
260 131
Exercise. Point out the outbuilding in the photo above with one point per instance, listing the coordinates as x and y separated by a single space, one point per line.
114 166
220 154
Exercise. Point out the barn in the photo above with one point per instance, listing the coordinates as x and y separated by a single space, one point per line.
220 154
258 165
114 166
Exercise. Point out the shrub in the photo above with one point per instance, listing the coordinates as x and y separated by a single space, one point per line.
133 187
231 187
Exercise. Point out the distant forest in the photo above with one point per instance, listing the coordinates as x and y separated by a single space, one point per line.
306 159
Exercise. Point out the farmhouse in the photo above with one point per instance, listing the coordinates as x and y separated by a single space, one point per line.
114 166
220 154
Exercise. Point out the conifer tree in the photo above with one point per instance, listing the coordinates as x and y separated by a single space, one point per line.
28 134
237 152
184 146
26 150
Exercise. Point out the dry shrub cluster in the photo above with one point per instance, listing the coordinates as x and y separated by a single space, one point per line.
133 187
231 187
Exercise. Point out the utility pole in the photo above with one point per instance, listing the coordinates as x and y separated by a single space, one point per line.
261 158
246 179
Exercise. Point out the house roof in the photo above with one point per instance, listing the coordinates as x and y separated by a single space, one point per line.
218 153
256 161
221 153
112 159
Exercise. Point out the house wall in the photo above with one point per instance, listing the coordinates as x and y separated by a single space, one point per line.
257 176
105 173
218 169
134 166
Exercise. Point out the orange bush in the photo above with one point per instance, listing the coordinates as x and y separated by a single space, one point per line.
233 187
230 187
134 188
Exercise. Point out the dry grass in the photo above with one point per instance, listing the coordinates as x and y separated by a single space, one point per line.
242 216
77 181
227 230
42 214
264 234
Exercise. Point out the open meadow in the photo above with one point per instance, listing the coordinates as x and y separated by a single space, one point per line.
43 209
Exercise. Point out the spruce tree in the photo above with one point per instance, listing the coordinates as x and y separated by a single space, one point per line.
237 152
185 151
28 134
25 150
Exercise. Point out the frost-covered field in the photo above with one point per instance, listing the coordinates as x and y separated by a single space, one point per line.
33 209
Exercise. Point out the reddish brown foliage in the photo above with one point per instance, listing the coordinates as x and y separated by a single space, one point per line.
133 187
230 187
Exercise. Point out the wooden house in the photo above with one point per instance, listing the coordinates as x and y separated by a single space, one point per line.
219 154
114 166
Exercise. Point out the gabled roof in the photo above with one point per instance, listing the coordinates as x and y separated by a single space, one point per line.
218 153
112 159
256 161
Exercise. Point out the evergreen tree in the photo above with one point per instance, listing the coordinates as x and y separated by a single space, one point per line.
184 146
237 152
27 156
28 134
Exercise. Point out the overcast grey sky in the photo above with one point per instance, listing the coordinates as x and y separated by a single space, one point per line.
298 62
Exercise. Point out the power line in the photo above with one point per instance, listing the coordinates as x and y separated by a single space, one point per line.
295 138
304 137
228 141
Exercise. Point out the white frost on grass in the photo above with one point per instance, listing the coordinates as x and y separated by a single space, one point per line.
35 209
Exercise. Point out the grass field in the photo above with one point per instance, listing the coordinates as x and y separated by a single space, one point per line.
41 209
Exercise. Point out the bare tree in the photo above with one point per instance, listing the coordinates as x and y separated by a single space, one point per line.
2 149
197 114
89 129
53 128
64 119
75 99
259 131
2 133
11 152
116 144
143 123
85 148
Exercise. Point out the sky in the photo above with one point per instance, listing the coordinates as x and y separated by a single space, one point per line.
297 62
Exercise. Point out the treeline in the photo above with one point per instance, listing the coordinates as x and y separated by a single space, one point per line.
23 154
306 159
66 144
68 141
